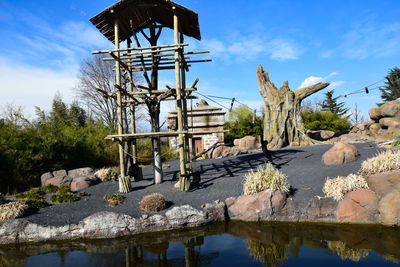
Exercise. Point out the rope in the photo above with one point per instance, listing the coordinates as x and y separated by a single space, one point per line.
206 96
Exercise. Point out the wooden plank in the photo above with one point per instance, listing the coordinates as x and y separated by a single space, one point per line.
144 135
138 48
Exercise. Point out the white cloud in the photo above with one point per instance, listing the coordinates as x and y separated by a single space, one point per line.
313 80
247 48
28 86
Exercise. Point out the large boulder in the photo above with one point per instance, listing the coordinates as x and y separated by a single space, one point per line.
360 206
218 151
81 172
389 123
383 183
389 207
80 183
260 206
247 142
390 109
340 153
60 173
56 181
45 177
320 135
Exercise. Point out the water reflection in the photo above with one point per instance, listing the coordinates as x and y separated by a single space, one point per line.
269 244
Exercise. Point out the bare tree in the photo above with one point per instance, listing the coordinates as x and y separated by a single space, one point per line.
14 114
356 116
96 75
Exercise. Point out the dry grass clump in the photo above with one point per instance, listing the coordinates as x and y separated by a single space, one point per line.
344 252
114 199
153 203
106 174
384 161
12 210
337 187
265 178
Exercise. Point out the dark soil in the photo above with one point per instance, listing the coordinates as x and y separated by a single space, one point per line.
220 179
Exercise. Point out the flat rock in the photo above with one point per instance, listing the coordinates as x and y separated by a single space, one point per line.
56 180
60 173
81 172
389 207
340 153
360 206
81 183
383 183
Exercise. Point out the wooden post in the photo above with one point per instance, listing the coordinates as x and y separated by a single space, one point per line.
183 179
132 110
124 183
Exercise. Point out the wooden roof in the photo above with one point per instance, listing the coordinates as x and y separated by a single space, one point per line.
134 15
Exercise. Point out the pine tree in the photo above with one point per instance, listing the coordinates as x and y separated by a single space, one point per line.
391 90
330 104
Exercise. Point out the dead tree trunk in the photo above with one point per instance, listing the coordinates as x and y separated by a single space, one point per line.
283 124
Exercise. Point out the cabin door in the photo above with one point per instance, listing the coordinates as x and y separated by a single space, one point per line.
198 145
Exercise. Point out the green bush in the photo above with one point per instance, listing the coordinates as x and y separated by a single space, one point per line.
33 198
114 199
324 120
64 197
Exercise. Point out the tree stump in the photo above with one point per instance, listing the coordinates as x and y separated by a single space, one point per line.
283 124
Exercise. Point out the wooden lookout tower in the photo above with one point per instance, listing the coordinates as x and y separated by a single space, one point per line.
123 23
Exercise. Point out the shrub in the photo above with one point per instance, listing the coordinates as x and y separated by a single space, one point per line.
64 195
34 198
106 174
114 199
265 178
384 161
49 188
153 203
12 210
324 120
337 187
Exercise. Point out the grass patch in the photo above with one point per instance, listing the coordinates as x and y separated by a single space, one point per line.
384 161
114 199
33 198
83 194
265 178
64 195
153 203
337 187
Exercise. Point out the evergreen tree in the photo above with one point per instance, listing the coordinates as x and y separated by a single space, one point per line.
330 104
391 90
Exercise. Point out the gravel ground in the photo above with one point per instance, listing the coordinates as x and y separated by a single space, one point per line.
220 179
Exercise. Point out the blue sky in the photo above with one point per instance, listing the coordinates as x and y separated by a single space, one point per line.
348 43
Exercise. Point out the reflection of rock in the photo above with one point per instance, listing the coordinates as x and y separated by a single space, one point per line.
344 252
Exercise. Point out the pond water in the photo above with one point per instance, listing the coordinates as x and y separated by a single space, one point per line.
224 244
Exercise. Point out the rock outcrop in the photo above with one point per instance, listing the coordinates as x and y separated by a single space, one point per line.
383 183
340 153
389 207
110 224
360 206
76 179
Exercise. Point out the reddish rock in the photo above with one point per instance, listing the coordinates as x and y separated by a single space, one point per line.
60 173
360 206
375 114
56 181
80 183
391 108
389 123
81 172
218 151
325 134
247 142
45 177
340 153
383 183
389 207
257 206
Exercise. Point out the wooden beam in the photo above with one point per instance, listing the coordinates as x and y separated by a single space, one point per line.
173 46
144 135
